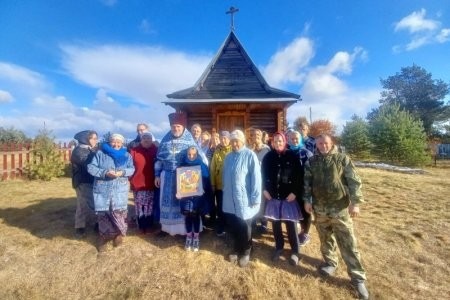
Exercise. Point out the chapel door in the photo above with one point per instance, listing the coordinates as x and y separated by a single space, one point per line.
231 121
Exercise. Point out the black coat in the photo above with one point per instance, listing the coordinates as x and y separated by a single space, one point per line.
80 158
281 174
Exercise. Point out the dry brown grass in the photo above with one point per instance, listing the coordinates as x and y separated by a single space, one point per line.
403 236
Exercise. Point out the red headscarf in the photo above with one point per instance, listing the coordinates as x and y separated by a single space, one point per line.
284 139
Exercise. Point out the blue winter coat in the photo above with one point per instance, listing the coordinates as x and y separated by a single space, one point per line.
110 191
241 184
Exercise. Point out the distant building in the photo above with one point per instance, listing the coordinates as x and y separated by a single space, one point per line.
443 150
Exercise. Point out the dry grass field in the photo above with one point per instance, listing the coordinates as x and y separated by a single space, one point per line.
403 234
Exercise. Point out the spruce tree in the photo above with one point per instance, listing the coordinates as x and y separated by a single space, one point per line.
355 138
45 159
397 136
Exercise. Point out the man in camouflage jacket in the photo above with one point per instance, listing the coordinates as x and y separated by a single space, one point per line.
333 193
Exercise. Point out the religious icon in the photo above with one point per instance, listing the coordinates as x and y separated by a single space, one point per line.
189 181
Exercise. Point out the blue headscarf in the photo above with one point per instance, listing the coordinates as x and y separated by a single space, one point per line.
295 148
300 141
197 161
119 156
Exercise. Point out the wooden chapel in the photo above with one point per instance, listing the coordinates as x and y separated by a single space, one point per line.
232 94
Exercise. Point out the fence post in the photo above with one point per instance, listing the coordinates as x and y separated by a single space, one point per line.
20 166
13 166
10 152
5 167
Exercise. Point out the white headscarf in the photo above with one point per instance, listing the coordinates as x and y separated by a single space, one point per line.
117 136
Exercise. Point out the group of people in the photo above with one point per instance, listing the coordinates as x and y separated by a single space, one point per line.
245 183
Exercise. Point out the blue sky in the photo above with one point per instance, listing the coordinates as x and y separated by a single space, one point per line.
108 64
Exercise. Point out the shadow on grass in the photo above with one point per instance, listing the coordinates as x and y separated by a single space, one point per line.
307 266
54 218
261 253
49 218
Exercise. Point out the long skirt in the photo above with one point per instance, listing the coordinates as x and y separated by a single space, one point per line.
282 210
112 223
143 203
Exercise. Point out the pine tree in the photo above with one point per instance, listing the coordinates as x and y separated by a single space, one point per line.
45 161
416 91
397 136
355 138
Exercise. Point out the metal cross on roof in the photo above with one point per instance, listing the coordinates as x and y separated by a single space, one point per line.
232 11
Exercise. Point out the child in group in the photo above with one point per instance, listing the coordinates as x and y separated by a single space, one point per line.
192 207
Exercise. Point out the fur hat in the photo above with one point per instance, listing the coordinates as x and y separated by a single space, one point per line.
179 118
238 135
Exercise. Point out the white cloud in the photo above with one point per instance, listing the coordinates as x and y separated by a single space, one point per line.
129 85
422 31
417 42
38 108
130 82
328 95
323 81
341 62
285 65
323 89
5 97
145 74
22 76
65 119
416 22
126 118
338 108
443 36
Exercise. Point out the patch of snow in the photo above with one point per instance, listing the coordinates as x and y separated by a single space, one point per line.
383 166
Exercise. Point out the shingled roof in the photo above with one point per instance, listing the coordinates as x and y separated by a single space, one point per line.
231 76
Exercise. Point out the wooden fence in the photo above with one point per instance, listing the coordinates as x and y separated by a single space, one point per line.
14 158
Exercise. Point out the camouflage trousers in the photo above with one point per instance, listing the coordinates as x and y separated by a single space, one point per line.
337 230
